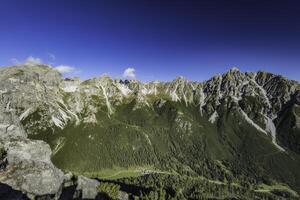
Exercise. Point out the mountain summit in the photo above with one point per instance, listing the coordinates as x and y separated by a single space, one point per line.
241 128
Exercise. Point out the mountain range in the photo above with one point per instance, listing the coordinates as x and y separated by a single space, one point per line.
234 136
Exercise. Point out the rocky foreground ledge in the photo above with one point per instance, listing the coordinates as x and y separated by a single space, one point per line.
30 170
28 173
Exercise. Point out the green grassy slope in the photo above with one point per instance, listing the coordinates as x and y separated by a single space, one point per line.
175 139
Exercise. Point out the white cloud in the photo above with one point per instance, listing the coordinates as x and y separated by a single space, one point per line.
28 61
129 73
64 69
52 56
33 61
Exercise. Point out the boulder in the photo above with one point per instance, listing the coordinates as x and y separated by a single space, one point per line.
87 187
30 169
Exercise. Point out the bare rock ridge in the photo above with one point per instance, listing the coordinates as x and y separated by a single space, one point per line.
34 98
64 101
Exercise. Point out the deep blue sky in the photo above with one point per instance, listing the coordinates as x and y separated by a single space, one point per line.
160 39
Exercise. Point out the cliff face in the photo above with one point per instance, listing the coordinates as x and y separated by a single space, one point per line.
234 118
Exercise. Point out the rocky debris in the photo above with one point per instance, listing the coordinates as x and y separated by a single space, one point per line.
30 169
86 188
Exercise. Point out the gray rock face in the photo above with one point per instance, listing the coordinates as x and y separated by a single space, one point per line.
10 127
42 99
36 98
87 187
30 169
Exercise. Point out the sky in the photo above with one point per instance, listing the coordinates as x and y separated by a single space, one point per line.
150 39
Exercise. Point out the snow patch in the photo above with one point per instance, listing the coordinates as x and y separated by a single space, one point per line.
213 117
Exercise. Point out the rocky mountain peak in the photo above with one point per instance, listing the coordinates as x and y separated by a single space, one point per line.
234 69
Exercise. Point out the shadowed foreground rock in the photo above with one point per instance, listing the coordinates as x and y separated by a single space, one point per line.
30 169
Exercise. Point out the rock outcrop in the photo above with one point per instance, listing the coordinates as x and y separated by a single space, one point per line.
30 169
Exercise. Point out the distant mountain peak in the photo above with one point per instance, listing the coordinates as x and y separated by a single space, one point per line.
234 69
